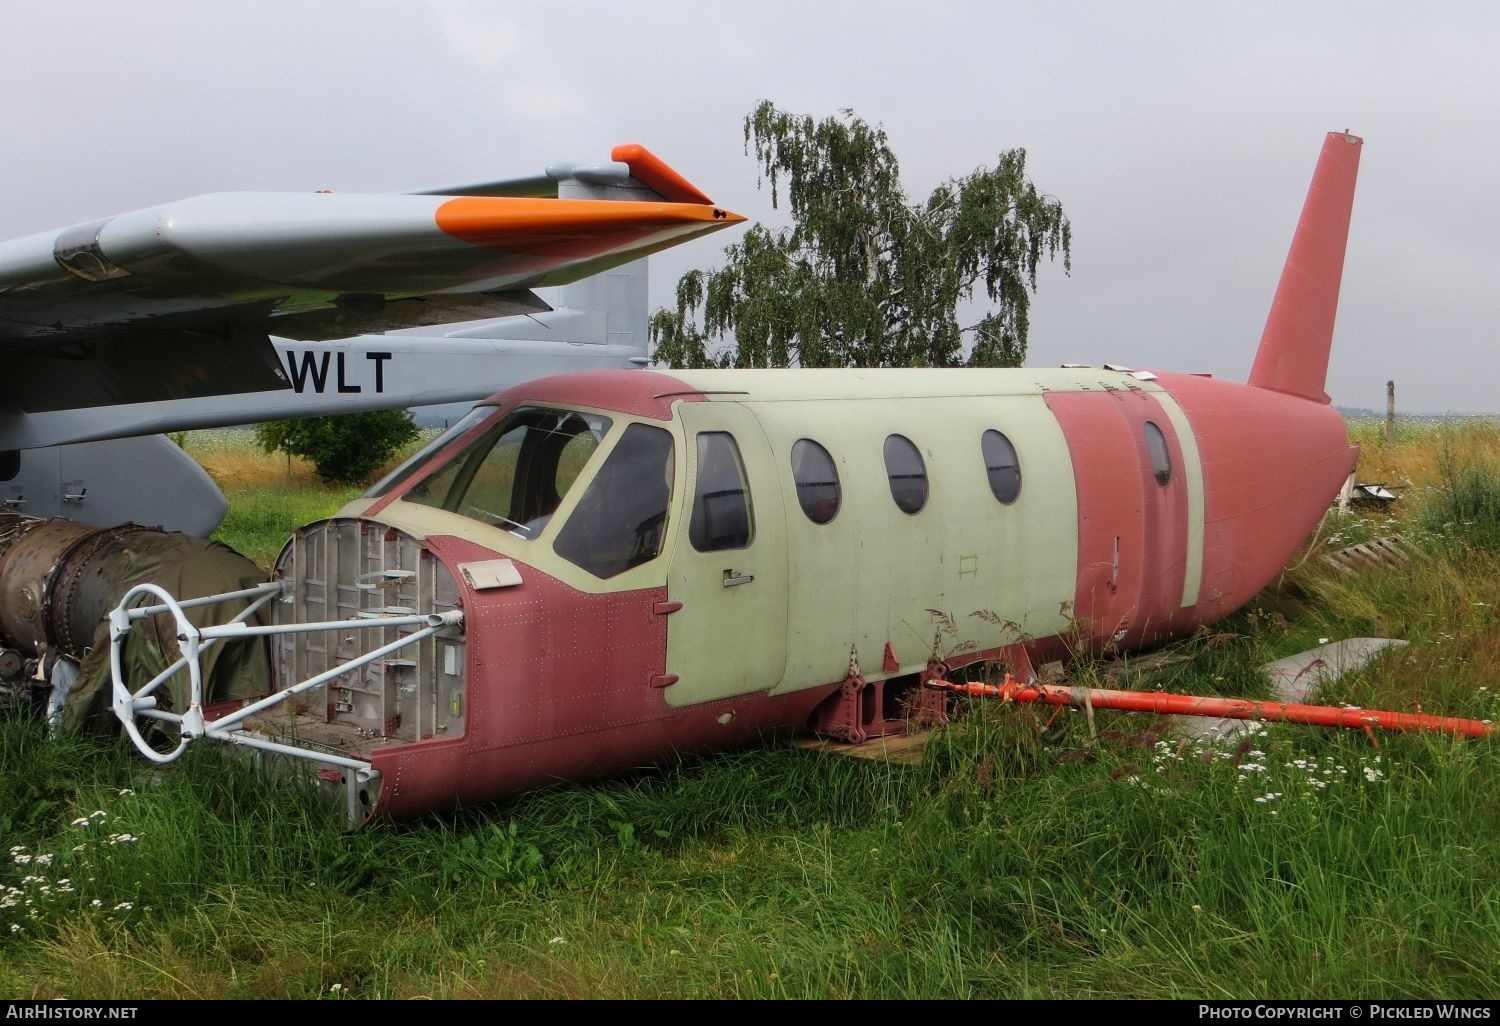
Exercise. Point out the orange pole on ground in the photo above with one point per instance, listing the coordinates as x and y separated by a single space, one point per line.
1013 690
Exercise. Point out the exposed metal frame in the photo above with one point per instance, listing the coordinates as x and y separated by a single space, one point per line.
192 641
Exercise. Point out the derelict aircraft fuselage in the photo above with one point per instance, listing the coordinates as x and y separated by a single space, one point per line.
597 571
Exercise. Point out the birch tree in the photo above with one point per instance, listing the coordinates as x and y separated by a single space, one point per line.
863 277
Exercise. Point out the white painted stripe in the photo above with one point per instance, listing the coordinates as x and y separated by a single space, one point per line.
1192 577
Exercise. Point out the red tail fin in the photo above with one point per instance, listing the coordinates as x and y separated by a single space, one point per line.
1293 354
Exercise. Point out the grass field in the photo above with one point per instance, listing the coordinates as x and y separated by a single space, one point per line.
1019 859
269 496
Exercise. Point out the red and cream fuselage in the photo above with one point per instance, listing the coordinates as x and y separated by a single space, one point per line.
568 674
657 563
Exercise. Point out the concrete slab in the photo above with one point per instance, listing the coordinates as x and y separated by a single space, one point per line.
1294 680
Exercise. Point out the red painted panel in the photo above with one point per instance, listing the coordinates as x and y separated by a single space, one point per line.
560 688
1132 597
1165 554
1272 466
641 393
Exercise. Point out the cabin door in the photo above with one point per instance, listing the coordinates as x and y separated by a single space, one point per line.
1132 513
729 560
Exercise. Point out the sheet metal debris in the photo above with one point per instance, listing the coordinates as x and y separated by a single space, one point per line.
1389 551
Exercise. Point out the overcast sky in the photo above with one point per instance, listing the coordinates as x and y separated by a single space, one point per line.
1180 137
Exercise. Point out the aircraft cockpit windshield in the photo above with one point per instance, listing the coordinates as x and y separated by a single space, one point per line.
516 474
465 424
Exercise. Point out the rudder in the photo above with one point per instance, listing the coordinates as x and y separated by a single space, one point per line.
1294 348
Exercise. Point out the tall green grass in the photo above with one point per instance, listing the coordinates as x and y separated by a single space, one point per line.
270 496
1465 504
260 520
1025 856
1000 867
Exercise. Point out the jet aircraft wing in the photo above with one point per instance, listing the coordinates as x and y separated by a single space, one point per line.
126 309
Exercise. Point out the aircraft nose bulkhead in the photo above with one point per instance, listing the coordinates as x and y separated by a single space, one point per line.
347 569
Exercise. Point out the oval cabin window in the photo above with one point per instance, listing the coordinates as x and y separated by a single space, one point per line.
817 481
1161 456
1002 466
907 474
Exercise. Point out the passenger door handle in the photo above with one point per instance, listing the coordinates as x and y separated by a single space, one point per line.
731 578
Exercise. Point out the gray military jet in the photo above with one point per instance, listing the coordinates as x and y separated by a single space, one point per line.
217 310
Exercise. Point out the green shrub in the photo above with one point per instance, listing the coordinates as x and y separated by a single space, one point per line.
346 449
